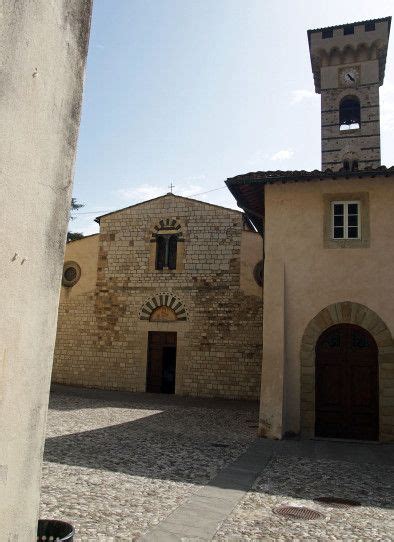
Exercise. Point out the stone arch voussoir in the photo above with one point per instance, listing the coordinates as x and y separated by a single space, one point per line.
163 299
167 225
348 312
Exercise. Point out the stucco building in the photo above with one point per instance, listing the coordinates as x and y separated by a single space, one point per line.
328 321
166 298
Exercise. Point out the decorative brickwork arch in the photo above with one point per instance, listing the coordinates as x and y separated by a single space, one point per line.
349 313
163 299
167 225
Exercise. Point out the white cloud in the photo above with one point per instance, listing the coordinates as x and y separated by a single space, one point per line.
90 229
300 95
182 187
142 192
85 224
284 154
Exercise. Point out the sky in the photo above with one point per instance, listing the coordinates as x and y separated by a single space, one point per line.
191 92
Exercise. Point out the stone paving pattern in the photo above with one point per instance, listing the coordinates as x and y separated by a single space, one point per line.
115 469
117 465
296 481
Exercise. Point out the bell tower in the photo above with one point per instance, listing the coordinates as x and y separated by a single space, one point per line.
348 63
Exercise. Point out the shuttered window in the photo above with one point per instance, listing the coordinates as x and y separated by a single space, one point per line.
166 249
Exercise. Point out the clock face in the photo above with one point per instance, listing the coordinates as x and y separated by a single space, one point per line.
350 77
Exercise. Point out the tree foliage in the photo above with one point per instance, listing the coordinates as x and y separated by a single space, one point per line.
74 236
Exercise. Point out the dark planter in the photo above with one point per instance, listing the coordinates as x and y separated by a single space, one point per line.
59 530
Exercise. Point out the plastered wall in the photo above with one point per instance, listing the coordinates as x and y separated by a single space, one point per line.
315 277
43 47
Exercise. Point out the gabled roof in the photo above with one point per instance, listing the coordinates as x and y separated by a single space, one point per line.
169 194
248 189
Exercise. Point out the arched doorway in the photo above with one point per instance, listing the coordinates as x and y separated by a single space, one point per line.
346 384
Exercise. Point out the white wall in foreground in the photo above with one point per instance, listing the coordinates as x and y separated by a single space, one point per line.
43 46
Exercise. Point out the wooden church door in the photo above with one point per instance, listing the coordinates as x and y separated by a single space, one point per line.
347 384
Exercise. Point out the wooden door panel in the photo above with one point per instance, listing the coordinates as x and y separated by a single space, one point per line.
362 387
346 384
160 372
329 387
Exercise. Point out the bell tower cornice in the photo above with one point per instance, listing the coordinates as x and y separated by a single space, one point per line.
349 44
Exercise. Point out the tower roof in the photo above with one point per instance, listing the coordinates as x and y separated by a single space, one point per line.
368 40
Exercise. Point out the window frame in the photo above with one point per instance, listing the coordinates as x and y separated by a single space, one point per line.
71 265
167 256
363 241
345 225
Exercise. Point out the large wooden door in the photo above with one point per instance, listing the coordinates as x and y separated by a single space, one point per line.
347 384
161 367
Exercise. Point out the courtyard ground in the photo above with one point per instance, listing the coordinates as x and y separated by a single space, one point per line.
123 466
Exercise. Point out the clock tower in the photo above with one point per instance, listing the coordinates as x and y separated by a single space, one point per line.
348 63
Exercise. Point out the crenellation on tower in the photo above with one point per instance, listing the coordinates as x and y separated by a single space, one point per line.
348 64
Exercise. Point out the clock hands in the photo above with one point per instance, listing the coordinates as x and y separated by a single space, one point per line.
351 78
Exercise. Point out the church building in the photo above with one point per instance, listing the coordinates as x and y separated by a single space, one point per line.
166 298
328 320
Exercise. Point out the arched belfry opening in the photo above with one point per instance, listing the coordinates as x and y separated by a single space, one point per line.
350 113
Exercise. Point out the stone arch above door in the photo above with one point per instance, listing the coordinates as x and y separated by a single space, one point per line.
163 299
350 313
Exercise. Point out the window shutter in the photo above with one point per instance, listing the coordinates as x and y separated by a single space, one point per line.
160 251
172 246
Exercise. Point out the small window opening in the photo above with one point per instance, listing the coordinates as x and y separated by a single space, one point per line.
355 165
348 29
369 26
346 220
346 165
327 33
349 114
166 250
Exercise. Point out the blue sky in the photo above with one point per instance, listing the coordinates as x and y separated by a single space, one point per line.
195 91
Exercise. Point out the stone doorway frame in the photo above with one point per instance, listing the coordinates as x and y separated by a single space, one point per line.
347 312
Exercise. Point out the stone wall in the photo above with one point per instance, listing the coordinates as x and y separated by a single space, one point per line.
103 334
362 144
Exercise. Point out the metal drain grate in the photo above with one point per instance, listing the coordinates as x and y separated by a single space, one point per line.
337 502
297 512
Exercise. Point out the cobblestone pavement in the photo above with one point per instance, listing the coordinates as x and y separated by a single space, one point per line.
115 468
297 481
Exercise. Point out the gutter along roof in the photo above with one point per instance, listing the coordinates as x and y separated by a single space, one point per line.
248 189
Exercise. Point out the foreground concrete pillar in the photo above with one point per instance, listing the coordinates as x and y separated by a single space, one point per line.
43 47
273 366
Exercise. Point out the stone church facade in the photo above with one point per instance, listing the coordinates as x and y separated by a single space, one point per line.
328 350
166 298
